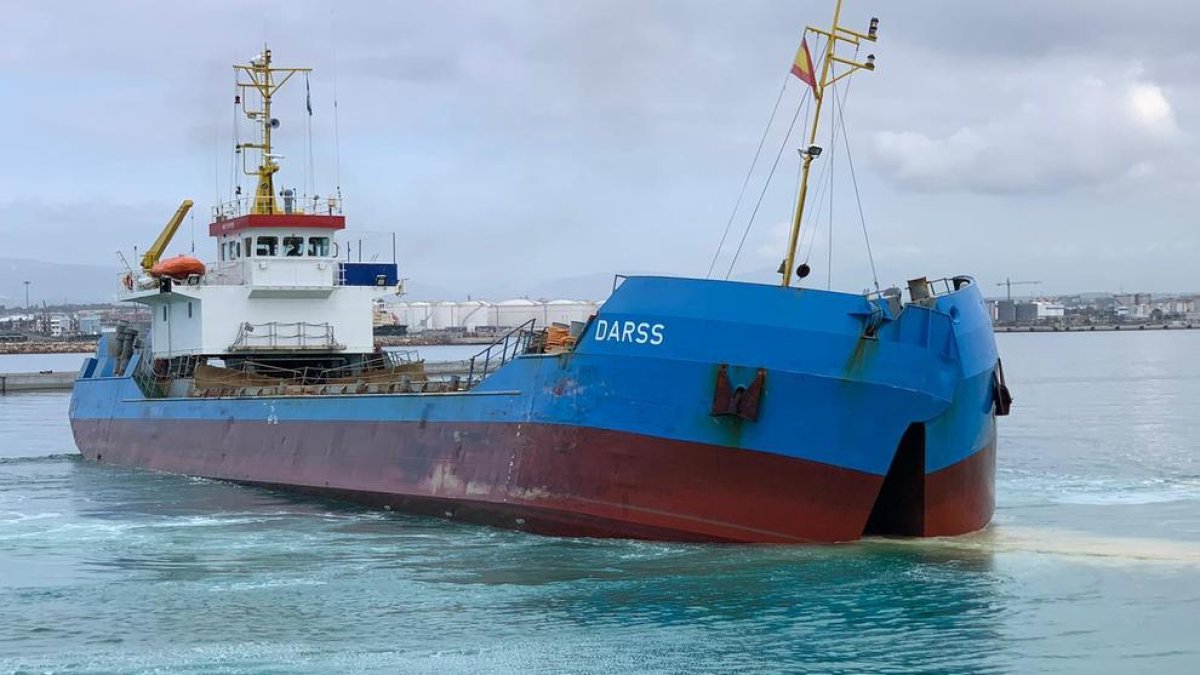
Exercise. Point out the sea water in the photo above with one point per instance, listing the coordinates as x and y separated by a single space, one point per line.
1092 563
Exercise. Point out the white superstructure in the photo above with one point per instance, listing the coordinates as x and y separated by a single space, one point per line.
276 290
276 286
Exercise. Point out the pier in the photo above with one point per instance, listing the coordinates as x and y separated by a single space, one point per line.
48 380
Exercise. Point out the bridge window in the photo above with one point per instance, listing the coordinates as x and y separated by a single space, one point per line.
236 248
318 247
267 247
221 252
248 248
293 247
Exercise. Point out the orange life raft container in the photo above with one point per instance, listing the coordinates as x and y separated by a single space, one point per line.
179 267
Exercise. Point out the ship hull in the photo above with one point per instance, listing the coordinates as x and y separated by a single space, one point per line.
589 482
690 410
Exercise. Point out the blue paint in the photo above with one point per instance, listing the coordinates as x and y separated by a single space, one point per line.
368 274
647 365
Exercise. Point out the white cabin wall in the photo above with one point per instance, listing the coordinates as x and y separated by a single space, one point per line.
347 308
178 334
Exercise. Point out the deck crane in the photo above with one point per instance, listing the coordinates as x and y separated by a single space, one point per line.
1009 283
154 253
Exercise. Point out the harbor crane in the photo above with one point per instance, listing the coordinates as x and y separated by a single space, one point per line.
154 253
1009 283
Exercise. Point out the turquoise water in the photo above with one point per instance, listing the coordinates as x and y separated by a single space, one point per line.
1092 565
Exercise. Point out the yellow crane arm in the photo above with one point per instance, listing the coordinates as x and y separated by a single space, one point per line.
150 259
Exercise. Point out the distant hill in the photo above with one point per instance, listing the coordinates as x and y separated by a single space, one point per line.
56 283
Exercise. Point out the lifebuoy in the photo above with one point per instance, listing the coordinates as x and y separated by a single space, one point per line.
128 281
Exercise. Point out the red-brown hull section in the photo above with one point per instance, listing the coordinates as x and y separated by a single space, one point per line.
549 479
961 498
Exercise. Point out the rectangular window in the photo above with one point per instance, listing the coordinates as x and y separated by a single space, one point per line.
164 312
247 248
189 310
267 247
318 247
293 247
221 252
237 249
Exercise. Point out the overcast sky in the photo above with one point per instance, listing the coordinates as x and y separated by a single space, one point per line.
522 141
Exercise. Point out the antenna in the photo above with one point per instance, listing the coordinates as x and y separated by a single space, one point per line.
262 79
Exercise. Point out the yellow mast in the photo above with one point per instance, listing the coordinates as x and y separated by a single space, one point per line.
262 80
812 151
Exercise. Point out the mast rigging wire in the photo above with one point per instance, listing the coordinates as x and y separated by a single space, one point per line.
854 179
337 138
749 172
805 105
767 183
822 183
832 174
810 227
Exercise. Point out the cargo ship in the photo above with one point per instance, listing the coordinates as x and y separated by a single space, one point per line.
684 409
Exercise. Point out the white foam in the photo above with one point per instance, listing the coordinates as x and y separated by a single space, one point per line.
1106 491
1083 546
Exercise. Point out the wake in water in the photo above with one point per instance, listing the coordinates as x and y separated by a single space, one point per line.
40 459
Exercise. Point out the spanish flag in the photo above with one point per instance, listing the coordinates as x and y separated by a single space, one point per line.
802 67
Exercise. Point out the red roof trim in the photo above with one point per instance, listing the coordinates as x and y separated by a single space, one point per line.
285 220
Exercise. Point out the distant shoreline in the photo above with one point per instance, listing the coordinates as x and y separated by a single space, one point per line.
1099 328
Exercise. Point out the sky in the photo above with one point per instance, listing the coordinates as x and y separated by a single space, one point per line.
514 143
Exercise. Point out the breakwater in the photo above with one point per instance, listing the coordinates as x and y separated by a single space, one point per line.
48 347
41 381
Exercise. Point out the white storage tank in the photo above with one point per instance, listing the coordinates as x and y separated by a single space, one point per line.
566 311
443 315
417 316
471 314
513 313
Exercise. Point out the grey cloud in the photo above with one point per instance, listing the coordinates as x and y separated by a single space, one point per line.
542 139
1062 130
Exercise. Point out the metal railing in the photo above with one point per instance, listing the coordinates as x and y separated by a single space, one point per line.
933 287
275 335
947 285
144 376
300 204
509 346
380 374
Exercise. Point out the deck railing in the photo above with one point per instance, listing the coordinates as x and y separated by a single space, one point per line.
300 204
285 336
509 346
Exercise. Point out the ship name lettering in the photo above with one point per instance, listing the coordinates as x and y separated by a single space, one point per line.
637 332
